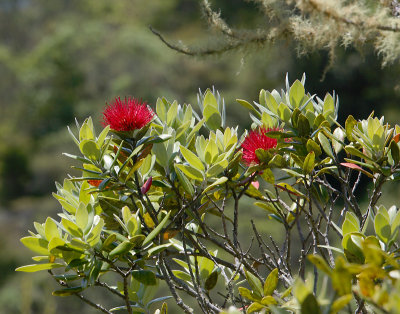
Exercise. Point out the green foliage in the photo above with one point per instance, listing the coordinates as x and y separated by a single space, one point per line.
143 205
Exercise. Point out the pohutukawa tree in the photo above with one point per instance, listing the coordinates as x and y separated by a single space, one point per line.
159 203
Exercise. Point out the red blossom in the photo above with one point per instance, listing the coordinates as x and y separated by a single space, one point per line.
257 139
127 115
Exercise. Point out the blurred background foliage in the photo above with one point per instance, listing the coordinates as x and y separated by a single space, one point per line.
67 58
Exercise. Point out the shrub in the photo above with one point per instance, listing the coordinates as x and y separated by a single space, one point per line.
154 186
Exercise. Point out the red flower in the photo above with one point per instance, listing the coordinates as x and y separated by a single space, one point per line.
127 115
257 140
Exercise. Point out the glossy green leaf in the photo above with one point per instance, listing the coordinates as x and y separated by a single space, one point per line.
271 282
191 172
82 216
51 229
35 244
303 125
86 132
121 249
309 163
172 111
254 283
211 152
184 181
38 267
191 158
72 228
310 305
312 146
246 293
395 152
145 277
247 105
268 300
219 181
211 281
382 227
90 149
212 117
326 146
320 263
156 230
341 302
350 124
254 307
296 94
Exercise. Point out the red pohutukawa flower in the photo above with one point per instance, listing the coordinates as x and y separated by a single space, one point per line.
257 139
127 115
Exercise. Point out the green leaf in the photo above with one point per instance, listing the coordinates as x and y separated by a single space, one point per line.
284 112
310 305
211 152
271 282
51 229
254 283
246 293
268 176
217 168
191 158
172 112
326 146
350 124
182 275
90 149
303 125
86 132
100 140
268 100
355 152
247 105
184 181
350 224
82 216
341 302
38 267
268 300
312 146
296 94
212 117
210 100
329 108
122 248
94 235
382 227
220 181
37 245
72 228
395 152
55 243
161 110
309 163
211 281
145 277
254 307
320 263
157 249
191 172
156 230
